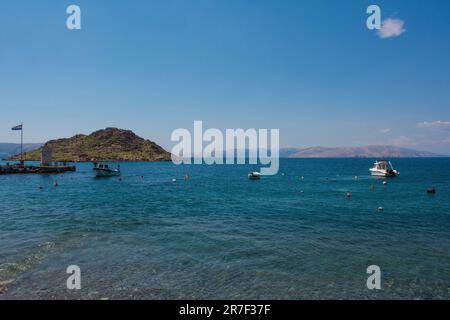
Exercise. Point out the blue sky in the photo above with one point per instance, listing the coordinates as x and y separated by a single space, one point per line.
310 68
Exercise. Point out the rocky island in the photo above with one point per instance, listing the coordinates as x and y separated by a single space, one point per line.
110 144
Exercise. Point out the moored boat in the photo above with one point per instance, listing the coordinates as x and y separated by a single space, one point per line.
103 170
383 168
254 175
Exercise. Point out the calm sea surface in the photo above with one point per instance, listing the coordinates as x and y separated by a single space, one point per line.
220 235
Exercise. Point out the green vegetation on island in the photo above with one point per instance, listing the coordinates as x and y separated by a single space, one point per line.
110 144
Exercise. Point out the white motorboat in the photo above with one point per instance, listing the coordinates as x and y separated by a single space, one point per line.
254 175
103 170
383 168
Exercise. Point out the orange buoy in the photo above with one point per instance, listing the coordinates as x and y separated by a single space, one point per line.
348 195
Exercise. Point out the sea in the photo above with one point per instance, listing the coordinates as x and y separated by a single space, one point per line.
218 235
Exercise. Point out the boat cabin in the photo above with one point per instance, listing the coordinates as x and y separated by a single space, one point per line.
383 165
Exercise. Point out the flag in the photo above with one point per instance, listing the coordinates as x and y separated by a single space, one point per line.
17 128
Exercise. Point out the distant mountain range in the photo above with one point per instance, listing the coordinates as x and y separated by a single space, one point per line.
124 145
9 149
355 152
110 144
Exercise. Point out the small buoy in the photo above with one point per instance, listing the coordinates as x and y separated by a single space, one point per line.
55 183
186 177
302 178
282 174
301 191
349 195
384 182
174 180
372 187
356 177
380 209
431 190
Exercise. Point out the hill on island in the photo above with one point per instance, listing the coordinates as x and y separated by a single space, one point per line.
110 144
355 152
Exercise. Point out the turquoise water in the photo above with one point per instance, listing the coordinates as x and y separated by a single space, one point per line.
220 235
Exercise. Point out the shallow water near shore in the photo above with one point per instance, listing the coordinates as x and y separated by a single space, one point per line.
220 235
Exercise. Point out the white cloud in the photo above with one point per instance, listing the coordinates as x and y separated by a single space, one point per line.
384 131
434 124
391 28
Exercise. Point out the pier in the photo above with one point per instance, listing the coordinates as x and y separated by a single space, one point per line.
24 169
47 166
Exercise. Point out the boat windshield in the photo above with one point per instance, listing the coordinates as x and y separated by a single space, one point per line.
383 165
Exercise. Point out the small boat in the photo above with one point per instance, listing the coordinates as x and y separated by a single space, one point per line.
103 170
254 175
383 168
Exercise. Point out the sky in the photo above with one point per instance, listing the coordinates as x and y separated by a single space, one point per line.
309 68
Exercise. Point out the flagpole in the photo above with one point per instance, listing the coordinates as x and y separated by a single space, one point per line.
21 144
